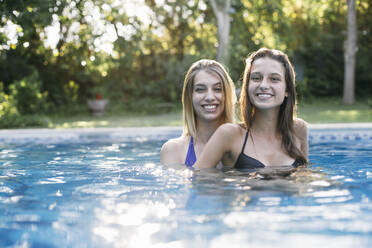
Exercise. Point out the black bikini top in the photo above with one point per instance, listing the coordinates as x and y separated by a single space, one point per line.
247 162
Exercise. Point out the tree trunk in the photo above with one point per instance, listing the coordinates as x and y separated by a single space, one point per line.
350 51
223 29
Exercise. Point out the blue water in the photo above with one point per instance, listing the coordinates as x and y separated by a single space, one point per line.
103 193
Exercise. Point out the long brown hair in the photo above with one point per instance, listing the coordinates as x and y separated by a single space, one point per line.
287 111
215 68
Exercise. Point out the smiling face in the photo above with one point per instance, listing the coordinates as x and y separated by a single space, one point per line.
267 86
207 96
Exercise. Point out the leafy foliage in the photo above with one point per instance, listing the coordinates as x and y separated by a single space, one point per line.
28 97
10 117
80 48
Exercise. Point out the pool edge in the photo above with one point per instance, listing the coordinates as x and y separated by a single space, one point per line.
316 132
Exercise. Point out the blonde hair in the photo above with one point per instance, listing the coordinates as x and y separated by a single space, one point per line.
215 68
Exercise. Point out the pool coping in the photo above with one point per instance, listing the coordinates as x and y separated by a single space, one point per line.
325 126
317 132
356 125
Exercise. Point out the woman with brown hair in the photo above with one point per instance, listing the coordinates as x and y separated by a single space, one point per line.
270 134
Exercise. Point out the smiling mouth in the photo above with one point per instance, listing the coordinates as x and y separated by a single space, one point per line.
210 107
264 95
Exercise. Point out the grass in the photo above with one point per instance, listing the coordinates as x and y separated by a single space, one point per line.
119 120
320 111
333 111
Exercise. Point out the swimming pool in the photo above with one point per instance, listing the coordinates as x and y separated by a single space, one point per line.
106 188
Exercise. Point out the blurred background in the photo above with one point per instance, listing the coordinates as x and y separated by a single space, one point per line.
56 55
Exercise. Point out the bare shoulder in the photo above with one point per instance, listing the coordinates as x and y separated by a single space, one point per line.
230 129
300 127
232 138
174 145
172 151
301 133
231 141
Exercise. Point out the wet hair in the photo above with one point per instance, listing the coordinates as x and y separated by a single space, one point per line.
287 111
214 68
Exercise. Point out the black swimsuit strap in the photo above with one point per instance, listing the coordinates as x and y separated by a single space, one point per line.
245 141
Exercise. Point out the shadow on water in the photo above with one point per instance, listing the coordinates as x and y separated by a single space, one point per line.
280 179
233 189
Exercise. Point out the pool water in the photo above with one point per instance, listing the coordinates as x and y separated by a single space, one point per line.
98 191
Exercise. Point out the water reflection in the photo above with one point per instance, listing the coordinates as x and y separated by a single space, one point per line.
136 214
118 195
124 224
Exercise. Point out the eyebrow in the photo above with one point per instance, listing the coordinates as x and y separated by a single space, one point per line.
272 74
203 83
255 72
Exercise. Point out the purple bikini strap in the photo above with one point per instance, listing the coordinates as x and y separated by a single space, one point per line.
190 157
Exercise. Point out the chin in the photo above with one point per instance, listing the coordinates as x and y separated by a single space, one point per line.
266 106
213 117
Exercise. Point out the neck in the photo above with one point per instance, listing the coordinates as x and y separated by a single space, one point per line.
205 129
265 123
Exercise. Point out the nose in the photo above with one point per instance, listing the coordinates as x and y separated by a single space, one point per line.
210 95
264 83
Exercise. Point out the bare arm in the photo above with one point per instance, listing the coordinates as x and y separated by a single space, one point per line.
216 147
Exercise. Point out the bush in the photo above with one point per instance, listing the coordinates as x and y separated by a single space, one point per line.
10 117
7 106
23 121
28 96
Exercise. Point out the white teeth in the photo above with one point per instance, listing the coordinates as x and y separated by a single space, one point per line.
263 95
210 106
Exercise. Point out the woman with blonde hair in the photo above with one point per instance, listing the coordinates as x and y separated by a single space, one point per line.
270 135
208 100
